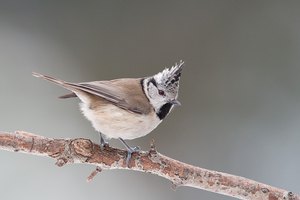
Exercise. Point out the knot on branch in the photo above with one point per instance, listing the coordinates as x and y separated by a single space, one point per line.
289 196
61 161
77 149
82 147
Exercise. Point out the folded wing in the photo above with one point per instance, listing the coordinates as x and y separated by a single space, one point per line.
124 93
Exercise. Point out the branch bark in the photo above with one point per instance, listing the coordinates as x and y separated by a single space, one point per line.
82 150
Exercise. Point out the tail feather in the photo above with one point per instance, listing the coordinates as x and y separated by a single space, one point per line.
49 78
75 88
68 96
58 82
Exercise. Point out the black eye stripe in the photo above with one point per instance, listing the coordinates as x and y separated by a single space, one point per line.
152 80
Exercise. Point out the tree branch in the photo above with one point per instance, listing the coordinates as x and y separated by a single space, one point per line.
180 174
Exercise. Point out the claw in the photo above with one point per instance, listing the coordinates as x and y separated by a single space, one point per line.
102 145
136 149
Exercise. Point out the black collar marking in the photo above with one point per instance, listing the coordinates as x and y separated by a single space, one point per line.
142 84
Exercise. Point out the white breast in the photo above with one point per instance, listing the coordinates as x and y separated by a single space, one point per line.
115 122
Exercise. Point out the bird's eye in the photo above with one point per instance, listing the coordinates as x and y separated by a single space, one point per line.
161 92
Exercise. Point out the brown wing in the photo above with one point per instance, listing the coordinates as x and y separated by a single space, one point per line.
124 93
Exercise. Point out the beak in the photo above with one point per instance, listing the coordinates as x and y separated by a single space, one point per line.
175 102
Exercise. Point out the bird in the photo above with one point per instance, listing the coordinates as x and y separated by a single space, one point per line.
125 108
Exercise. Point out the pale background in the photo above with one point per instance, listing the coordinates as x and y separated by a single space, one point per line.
240 89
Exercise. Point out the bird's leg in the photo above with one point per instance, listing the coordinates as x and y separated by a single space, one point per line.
103 143
130 150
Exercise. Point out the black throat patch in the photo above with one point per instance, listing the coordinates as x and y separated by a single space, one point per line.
164 110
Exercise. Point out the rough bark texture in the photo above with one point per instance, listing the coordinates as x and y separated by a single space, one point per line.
84 151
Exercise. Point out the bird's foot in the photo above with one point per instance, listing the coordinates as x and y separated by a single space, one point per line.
103 143
130 150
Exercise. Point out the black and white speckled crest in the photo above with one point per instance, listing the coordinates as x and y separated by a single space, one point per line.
169 78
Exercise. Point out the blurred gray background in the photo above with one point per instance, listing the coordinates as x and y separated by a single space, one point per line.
240 89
